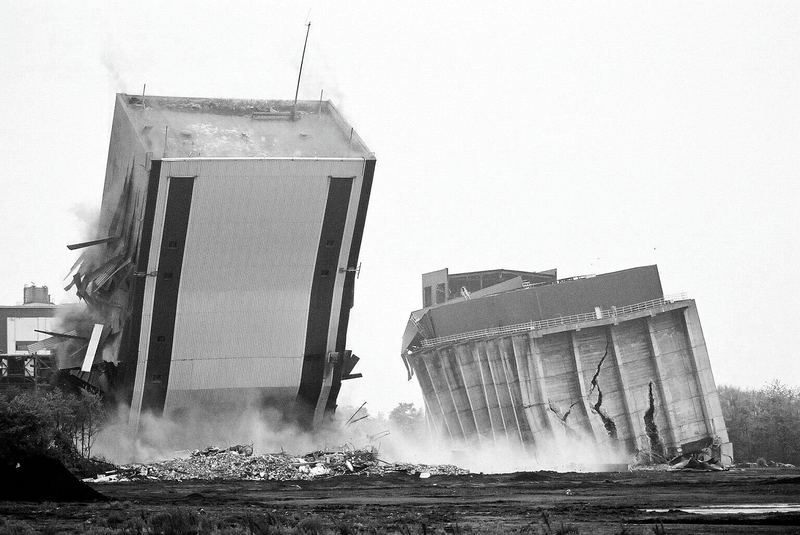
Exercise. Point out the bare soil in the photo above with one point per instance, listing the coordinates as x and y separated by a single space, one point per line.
530 502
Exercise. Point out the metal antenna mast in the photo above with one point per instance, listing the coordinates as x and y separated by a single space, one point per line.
302 58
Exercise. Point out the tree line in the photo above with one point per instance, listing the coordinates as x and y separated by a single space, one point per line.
49 422
763 423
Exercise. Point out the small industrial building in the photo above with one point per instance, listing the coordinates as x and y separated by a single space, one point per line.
20 327
440 286
608 357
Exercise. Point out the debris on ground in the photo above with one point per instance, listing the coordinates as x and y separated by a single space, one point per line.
695 462
239 463
699 456
765 464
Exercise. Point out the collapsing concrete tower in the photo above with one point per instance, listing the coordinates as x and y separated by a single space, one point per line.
520 356
227 253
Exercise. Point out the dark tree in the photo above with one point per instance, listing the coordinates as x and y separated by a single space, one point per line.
407 419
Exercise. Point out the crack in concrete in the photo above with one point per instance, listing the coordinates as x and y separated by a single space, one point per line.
599 364
656 446
608 422
563 417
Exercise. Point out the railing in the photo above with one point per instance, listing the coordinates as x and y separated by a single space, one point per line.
528 284
613 312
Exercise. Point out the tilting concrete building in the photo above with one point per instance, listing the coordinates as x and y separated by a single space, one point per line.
225 262
606 357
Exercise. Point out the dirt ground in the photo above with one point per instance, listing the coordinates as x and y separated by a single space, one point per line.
531 502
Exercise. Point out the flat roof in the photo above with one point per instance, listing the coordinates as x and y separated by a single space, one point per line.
193 127
31 305
547 272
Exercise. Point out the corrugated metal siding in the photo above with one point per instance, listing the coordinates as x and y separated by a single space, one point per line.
247 271
213 402
254 372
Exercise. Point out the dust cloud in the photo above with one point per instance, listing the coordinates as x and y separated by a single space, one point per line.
268 432
502 455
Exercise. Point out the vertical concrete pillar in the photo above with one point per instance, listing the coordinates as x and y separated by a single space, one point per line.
663 393
421 359
433 428
537 377
512 382
489 391
488 351
528 392
441 359
473 406
595 428
429 394
633 427
701 368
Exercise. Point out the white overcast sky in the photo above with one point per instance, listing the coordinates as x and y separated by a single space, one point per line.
587 136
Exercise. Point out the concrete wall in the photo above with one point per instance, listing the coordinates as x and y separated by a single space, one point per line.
521 387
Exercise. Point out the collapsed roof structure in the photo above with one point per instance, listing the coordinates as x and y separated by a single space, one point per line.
224 265
506 355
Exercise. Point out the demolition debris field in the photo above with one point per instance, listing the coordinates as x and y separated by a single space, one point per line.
238 463
398 502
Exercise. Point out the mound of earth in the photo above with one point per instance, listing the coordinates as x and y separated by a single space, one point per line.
39 478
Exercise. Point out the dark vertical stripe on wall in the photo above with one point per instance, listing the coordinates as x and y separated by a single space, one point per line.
129 347
350 279
355 248
162 328
320 304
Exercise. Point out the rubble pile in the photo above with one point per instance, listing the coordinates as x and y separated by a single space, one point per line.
763 463
703 455
239 463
